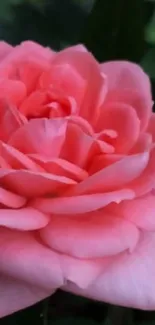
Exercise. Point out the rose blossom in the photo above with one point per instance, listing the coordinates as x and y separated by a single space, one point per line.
77 195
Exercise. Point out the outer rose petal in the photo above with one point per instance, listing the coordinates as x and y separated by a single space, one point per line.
81 204
146 181
16 295
23 219
5 49
127 76
151 126
26 259
91 235
140 211
126 279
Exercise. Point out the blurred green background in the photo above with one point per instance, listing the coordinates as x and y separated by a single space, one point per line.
111 29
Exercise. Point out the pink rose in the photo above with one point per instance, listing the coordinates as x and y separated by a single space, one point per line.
77 196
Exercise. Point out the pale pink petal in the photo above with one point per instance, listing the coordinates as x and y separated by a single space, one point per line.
32 184
80 204
121 118
127 82
10 199
140 211
60 167
16 295
23 219
114 176
43 136
26 259
126 279
93 235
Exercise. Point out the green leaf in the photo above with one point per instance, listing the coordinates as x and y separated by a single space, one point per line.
148 63
115 30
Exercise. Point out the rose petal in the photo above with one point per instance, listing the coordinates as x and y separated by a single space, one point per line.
87 67
80 204
16 295
26 259
151 126
120 118
93 235
114 176
17 159
5 49
66 79
23 219
143 143
12 90
10 120
146 181
10 199
128 82
125 279
32 184
80 147
139 211
43 136
60 167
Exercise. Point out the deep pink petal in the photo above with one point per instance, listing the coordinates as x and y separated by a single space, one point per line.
81 204
23 219
126 279
127 82
16 295
93 235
